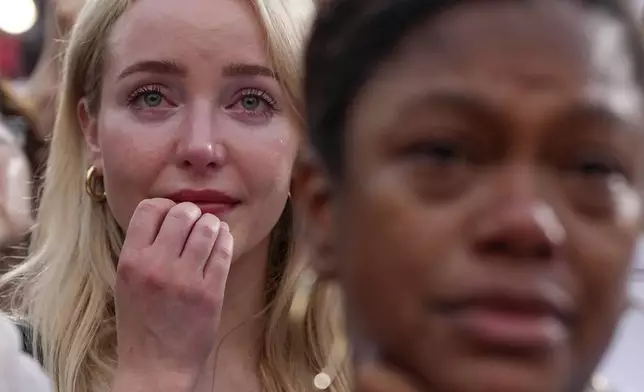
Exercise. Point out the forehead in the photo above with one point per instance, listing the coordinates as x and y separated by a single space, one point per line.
186 29
514 48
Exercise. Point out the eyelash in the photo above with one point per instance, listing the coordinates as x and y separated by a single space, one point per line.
249 92
263 95
600 166
140 91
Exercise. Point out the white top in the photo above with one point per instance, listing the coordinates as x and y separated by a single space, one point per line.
623 366
18 371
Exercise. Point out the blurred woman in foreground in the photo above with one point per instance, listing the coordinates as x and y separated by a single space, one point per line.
475 186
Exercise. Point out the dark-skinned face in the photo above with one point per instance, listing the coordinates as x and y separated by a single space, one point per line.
483 227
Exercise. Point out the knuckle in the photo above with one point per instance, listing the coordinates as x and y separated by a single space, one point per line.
224 253
125 271
128 262
155 206
206 229
224 249
184 212
136 265
218 267
153 281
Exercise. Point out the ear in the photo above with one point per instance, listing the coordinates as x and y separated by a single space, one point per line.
314 208
89 126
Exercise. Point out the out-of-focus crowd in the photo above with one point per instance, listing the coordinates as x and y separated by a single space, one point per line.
27 112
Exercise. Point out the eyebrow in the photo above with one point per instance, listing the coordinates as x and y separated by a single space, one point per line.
594 113
240 69
172 68
165 67
455 98
476 104
463 100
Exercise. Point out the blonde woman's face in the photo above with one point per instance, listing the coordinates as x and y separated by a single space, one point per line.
191 108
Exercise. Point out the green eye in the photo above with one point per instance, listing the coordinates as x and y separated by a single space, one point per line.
152 99
250 103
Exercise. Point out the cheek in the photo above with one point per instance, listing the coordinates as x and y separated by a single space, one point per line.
133 158
629 205
604 251
602 269
600 254
386 220
265 160
395 255
602 260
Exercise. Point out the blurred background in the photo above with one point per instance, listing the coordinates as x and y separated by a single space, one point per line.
21 36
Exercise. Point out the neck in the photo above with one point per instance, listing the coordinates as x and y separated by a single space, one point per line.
244 298
233 362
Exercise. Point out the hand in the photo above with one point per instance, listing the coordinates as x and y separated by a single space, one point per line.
377 378
169 291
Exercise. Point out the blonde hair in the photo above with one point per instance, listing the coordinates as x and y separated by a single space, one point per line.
64 289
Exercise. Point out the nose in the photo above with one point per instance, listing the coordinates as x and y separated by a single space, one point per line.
519 224
200 148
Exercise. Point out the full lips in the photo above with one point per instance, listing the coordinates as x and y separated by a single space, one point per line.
530 331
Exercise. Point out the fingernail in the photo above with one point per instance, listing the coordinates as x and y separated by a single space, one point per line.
224 226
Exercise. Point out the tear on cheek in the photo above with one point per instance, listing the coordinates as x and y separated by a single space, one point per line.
628 203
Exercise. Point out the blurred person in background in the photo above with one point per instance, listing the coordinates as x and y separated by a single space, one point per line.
19 122
163 256
475 187
18 371
15 173
29 106
40 88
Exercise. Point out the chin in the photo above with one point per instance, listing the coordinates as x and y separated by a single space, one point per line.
500 385
481 375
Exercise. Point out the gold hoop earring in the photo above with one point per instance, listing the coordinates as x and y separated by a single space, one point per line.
297 315
91 185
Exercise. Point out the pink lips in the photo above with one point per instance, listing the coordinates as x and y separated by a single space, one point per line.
498 328
522 319
209 201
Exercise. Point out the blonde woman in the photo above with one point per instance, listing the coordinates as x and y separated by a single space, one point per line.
177 130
